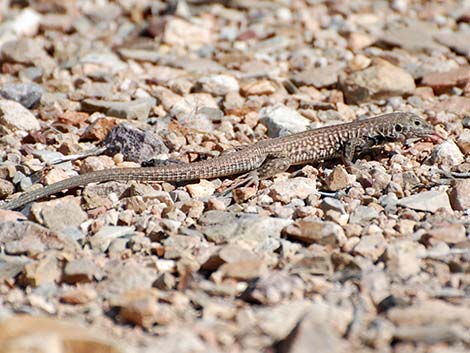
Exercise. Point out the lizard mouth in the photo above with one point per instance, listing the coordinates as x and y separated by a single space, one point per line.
435 137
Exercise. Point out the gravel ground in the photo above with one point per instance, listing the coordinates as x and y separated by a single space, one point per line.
323 258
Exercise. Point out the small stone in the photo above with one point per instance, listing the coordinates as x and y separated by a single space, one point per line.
15 117
273 287
258 88
454 104
6 188
460 195
450 233
463 141
43 271
363 215
57 215
135 145
358 41
79 296
285 190
197 111
138 109
140 307
457 41
447 154
244 270
102 239
371 246
323 233
80 271
219 85
312 334
380 80
50 334
338 179
443 81
27 94
32 239
202 189
179 32
99 129
403 257
429 201
318 77
282 120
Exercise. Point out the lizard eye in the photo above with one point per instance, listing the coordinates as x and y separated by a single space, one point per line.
398 128
417 123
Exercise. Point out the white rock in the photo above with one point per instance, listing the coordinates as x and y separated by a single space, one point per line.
429 201
282 120
447 154
16 117
219 85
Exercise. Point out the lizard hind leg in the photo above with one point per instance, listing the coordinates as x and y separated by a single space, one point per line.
271 166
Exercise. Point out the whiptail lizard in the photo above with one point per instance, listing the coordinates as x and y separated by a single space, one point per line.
266 158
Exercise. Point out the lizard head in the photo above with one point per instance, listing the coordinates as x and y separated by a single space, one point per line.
410 125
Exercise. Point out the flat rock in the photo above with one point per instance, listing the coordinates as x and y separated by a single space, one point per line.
363 215
371 246
197 111
413 36
460 195
282 120
457 41
454 104
443 81
429 201
102 239
324 233
379 81
81 270
180 32
286 190
318 77
447 154
27 94
135 145
222 227
219 85
44 334
463 141
138 109
30 238
403 257
312 334
450 233
57 215
14 116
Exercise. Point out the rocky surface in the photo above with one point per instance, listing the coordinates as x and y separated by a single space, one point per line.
327 258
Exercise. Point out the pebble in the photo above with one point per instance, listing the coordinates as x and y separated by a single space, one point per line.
368 262
286 190
430 201
324 233
27 94
403 257
135 145
460 195
447 154
281 120
102 239
463 141
58 215
14 116
378 81
219 85
138 109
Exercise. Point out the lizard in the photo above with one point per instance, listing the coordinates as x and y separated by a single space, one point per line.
265 158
